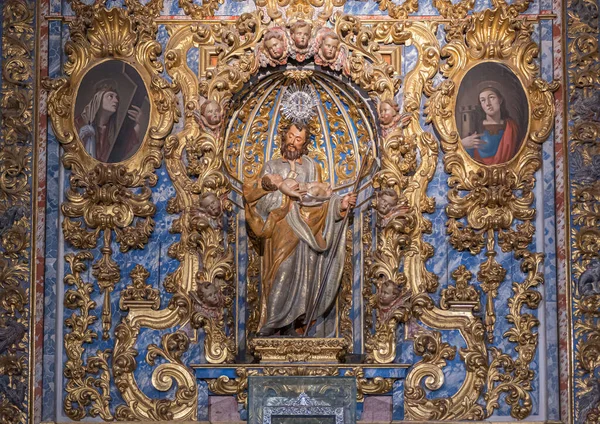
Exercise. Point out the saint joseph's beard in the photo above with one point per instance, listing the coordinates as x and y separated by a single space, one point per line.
289 154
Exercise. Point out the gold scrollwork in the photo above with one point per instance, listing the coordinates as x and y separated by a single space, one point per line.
110 197
106 198
223 385
299 9
298 349
195 158
83 391
485 200
584 197
239 386
401 252
506 374
140 406
369 386
207 9
398 11
17 214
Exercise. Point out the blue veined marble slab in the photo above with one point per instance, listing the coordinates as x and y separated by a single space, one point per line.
235 8
481 5
361 7
398 400
202 401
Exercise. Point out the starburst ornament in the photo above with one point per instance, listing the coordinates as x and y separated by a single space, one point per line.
299 104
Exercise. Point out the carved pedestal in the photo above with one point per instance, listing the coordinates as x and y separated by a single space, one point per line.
298 349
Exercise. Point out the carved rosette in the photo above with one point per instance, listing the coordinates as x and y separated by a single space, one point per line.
487 202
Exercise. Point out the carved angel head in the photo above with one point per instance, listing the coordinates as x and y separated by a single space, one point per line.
274 48
329 50
209 116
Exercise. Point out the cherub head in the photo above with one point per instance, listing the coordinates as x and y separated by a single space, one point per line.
209 115
387 200
275 45
210 204
208 294
300 32
388 112
211 112
388 293
330 46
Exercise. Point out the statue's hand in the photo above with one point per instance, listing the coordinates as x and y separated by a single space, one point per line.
348 202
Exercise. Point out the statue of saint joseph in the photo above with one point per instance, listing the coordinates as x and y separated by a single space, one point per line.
296 219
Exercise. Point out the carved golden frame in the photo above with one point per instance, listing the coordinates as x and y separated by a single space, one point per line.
111 197
485 200
194 163
110 35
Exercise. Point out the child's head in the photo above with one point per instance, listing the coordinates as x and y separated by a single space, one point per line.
271 182
388 293
300 33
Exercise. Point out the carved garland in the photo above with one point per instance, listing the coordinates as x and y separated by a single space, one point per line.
486 200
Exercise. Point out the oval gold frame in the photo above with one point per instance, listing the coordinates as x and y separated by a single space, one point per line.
76 89
491 38
523 143
112 37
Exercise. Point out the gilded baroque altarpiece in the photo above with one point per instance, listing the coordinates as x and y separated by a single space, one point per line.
160 277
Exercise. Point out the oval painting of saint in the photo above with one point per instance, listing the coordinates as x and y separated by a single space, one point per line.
492 113
112 111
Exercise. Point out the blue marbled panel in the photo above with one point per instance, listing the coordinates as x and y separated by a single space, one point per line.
66 8
55 48
55 6
235 8
482 5
114 3
171 8
359 7
242 266
547 5
549 241
426 8
398 400
552 362
438 264
202 401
